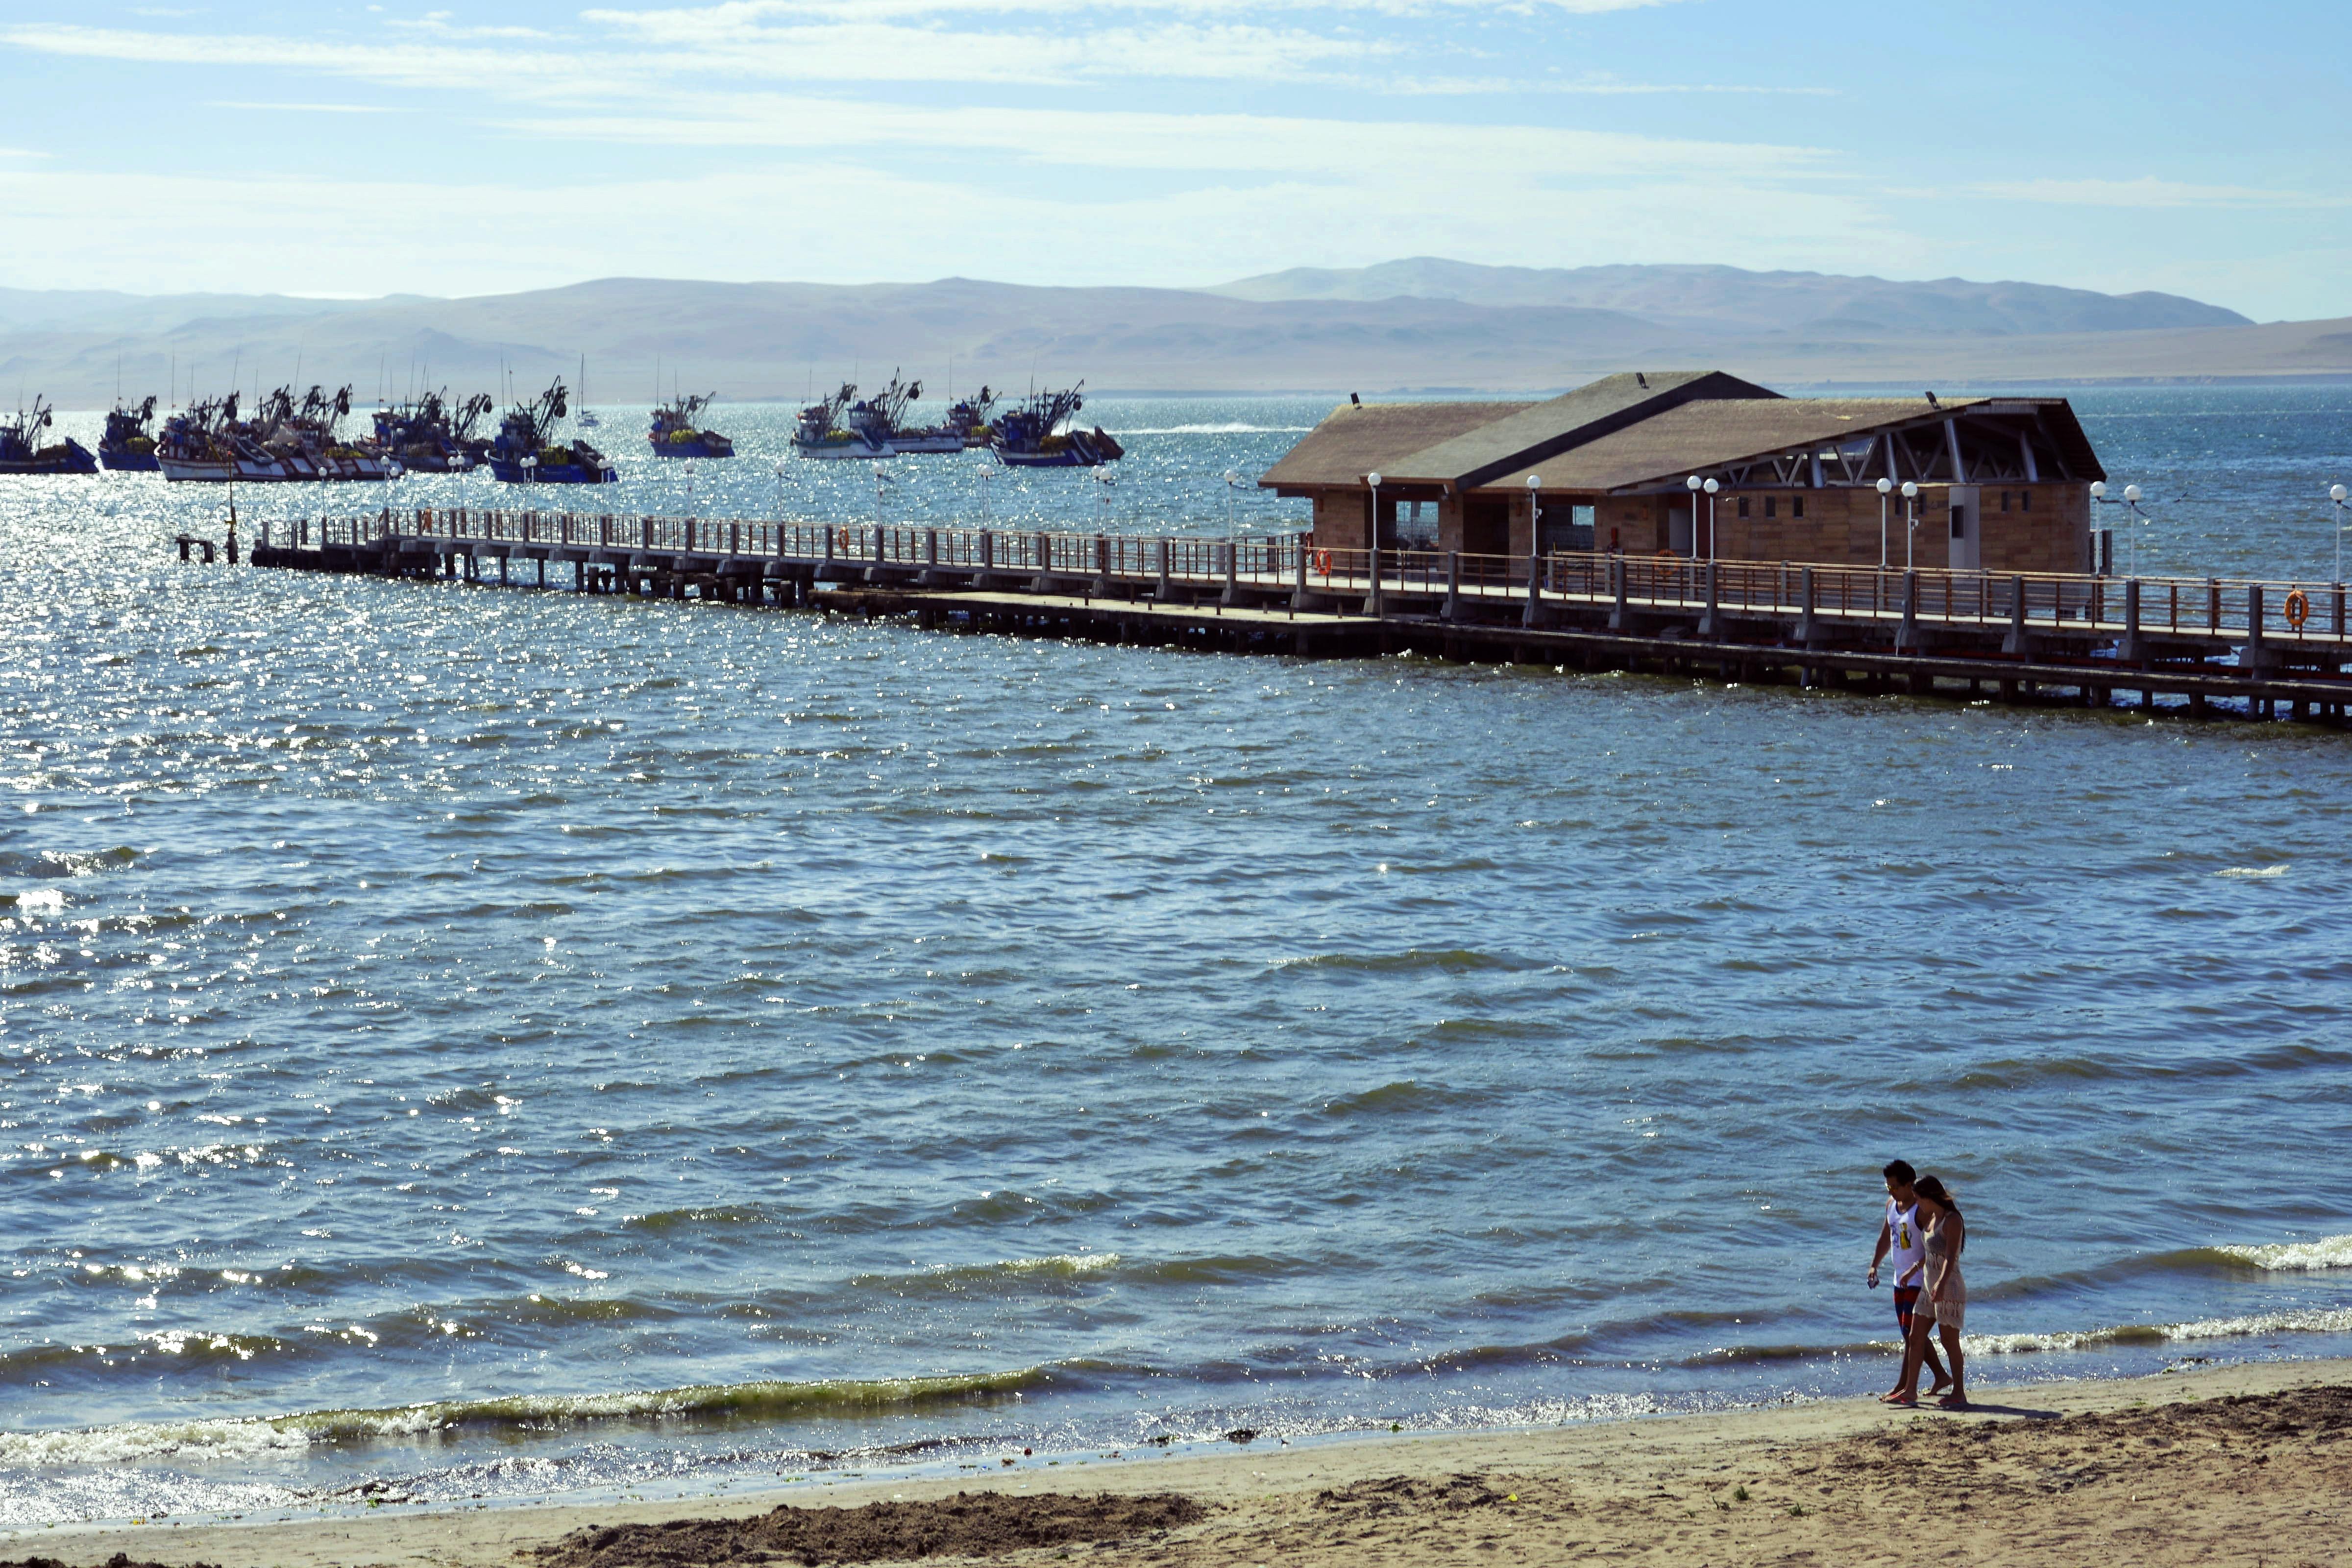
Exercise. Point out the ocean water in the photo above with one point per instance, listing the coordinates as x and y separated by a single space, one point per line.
496 1044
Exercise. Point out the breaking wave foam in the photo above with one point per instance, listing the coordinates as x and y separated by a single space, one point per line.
2327 1252
2314 1320
255 1437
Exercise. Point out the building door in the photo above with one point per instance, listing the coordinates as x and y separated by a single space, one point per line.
1965 528
1678 529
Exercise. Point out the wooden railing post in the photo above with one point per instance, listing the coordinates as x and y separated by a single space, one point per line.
2129 650
2017 642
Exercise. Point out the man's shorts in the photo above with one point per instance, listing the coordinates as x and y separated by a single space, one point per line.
1905 1298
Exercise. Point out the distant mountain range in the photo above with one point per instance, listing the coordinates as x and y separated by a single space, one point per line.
1417 325
1700 299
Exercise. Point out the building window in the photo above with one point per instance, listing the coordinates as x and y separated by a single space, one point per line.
1771 506
2025 501
2004 500
1796 506
1743 506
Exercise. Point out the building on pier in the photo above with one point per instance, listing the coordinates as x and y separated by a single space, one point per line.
2003 482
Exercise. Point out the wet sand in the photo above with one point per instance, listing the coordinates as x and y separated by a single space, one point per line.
2247 1464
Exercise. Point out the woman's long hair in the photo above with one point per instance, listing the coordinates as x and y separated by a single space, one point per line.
1932 1189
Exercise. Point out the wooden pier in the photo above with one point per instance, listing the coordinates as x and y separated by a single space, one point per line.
2271 649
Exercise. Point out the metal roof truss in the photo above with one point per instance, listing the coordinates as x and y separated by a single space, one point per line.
1965 446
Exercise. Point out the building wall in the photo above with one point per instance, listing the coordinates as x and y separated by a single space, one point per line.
2045 528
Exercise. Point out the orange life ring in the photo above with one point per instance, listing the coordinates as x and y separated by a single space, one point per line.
2297 608
1323 562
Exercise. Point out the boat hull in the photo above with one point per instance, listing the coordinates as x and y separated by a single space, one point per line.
198 471
71 458
1067 458
128 460
828 451
919 444
709 444
554 474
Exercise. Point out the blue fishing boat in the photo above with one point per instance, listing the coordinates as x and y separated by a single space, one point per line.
523 453
21 452
128 444
675 434
1031 436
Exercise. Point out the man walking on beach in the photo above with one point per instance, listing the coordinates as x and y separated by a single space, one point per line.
1900 1236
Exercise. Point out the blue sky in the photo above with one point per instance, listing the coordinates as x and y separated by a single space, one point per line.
358 150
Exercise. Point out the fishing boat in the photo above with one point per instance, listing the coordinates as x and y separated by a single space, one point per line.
965 427
1031 436
128 444
209 445
524 453
675 434
21 453
424 438
306 441
823 430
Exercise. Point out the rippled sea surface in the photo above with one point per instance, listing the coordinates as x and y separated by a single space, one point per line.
504 1042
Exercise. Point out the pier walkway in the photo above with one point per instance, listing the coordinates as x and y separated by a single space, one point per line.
2273 646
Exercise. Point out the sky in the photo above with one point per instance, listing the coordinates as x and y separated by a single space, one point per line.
358 150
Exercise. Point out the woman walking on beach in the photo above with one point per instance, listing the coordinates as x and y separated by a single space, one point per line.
1946 1305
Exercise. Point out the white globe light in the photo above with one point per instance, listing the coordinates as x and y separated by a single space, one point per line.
2099 488
1884 486
1692 481
1910 490
1711 487
2337 494
2131 492
1373 480
1535 481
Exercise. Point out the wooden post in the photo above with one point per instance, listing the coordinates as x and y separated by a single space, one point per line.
1533 616
1453 611
1167 589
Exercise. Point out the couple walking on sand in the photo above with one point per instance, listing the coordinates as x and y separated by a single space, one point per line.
1922 1237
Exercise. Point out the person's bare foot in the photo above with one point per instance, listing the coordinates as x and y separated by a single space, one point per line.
1953 1402
1939 1386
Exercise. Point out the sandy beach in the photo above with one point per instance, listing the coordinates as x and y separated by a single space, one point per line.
2242 1464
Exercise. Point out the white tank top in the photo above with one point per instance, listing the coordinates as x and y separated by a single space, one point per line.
1905 1251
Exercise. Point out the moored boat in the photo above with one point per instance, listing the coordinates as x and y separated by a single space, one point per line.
674 433
823 430
524 453
965 427
21 452
128 444
1031 436
424 438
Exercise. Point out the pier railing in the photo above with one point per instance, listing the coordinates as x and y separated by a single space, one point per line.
2214 609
